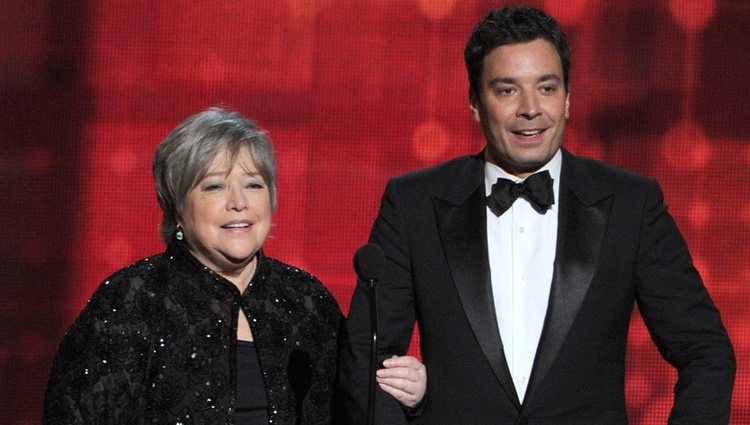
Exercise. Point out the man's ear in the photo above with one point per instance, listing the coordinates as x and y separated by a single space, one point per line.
474 106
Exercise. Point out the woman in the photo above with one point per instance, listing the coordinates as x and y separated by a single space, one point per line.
211 331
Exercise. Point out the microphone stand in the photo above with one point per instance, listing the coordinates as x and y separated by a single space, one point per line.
369 263
373 351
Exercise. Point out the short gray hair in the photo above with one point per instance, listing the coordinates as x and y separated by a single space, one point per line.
182 160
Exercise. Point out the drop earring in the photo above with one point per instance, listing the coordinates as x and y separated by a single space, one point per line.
178 234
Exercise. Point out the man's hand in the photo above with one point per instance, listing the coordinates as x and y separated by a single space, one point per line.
405 378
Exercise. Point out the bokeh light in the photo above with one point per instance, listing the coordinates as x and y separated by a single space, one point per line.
699 214
685 146
430 141
436 9
692 15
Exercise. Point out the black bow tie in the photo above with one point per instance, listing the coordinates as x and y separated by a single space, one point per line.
537 189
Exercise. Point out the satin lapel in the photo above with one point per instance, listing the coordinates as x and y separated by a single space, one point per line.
581 227
464 238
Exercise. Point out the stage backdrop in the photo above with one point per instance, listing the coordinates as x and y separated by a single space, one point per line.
352 93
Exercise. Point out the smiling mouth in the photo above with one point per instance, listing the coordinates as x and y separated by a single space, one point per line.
236 226
528 133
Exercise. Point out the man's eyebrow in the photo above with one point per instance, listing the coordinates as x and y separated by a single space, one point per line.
511 80
502 80
548 77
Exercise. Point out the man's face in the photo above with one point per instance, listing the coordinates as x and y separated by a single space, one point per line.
522 105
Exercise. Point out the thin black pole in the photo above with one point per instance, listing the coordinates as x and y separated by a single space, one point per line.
373 352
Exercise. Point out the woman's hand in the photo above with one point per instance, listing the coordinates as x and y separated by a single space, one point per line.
405 378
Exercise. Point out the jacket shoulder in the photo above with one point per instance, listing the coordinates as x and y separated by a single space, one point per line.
603 177
454 179
137 277
294 283
445 171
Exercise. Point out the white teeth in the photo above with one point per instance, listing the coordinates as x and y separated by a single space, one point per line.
529 133
237 225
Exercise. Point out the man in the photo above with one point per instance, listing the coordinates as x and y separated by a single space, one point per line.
523 287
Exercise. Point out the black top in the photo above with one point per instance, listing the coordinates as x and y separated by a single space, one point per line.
251 403
156 343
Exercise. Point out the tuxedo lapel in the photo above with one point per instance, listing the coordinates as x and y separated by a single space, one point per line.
462 227
584 210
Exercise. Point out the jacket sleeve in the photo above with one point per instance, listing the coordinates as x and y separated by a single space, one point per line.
682 319
325 328
396 316
98 370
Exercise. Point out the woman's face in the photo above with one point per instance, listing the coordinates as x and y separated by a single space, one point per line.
227 217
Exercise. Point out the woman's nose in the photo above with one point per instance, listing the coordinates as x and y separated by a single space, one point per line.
236 199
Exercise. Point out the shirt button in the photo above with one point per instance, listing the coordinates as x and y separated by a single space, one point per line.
521 229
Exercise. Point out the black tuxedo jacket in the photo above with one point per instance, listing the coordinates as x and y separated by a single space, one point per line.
616 245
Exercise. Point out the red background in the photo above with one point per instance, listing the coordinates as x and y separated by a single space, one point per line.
352 93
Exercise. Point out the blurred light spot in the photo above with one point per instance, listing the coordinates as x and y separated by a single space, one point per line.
638 335
699 214
430 141
685 146
566 12
692 15
740 323
213 68
637 382
124 161
436 9
305 8
118 251
745 215
657 412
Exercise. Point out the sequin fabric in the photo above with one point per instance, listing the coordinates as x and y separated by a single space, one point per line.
156 344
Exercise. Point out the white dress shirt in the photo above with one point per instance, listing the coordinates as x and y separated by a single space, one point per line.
521 247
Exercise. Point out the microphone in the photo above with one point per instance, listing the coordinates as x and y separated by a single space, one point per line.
369 262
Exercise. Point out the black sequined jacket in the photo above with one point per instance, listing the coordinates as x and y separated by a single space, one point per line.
156 345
